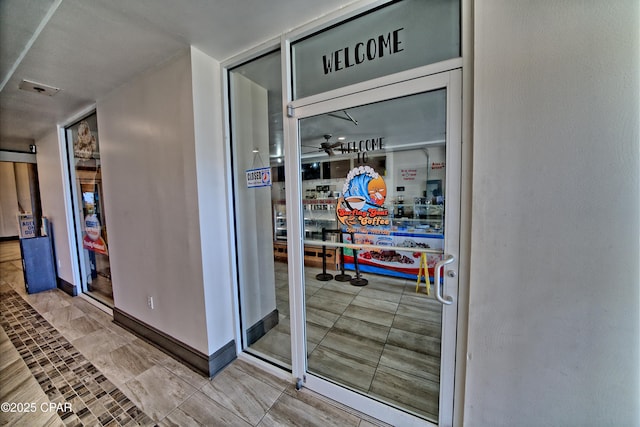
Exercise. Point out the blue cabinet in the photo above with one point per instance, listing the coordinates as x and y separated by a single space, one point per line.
38 264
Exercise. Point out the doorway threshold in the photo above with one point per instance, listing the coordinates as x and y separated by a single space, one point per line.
97 303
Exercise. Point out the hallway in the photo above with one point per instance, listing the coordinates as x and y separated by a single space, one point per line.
64 350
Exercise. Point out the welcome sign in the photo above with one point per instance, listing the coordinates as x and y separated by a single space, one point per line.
386 40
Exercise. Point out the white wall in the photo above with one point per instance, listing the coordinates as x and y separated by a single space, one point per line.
250 116
23 186
212 198
8 201
151 199
553 318
51 181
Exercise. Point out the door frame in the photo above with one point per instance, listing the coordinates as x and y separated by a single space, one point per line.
401 84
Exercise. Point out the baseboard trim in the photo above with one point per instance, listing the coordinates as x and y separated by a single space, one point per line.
261 327
208 365
67 287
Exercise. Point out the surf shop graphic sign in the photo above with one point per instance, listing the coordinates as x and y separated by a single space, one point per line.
362 201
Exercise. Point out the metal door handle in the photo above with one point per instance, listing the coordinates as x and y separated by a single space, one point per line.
447 300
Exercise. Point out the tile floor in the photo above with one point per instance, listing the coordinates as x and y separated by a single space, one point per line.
55 347
382 339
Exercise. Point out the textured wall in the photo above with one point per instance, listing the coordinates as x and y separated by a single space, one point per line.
553 317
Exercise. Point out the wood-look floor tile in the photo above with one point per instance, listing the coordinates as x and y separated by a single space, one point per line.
315 333
199 410
284 325
333 295
191 377
259 374
282 293
98 342
370 315
400 388
245 395
415 342
63 315
321 317
361 341
341 367
47 301
7 356
380 295
10 251
306 411
343 287
419 326
375 304
19 385
411 362
311 286
362 328
14 376
154 354
422 307
78 328
276 343
124 363
326 304
356 346
157 392
386 284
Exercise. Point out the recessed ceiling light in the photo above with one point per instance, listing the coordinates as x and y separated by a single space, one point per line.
40 88
341 138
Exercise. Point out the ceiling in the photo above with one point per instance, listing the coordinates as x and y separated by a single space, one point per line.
89 48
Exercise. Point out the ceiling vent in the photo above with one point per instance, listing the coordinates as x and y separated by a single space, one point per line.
40 88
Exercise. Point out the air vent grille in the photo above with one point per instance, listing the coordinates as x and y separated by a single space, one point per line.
40 88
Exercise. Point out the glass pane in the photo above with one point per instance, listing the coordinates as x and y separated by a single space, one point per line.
260 210
371 325
398 37
91 227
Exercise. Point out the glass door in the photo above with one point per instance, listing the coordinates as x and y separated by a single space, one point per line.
255 111
85 171
379 231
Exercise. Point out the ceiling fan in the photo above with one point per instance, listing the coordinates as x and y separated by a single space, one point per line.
327 146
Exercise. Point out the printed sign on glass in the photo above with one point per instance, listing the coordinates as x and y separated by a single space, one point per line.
260 177
362 200
93 240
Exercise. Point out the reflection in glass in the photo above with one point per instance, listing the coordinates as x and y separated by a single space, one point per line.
370 326
91 228
260 212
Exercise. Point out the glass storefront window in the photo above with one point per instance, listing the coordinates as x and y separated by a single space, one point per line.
89 212
378 219
260 209
396 37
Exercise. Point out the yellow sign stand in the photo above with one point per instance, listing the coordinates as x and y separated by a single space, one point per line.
423 271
